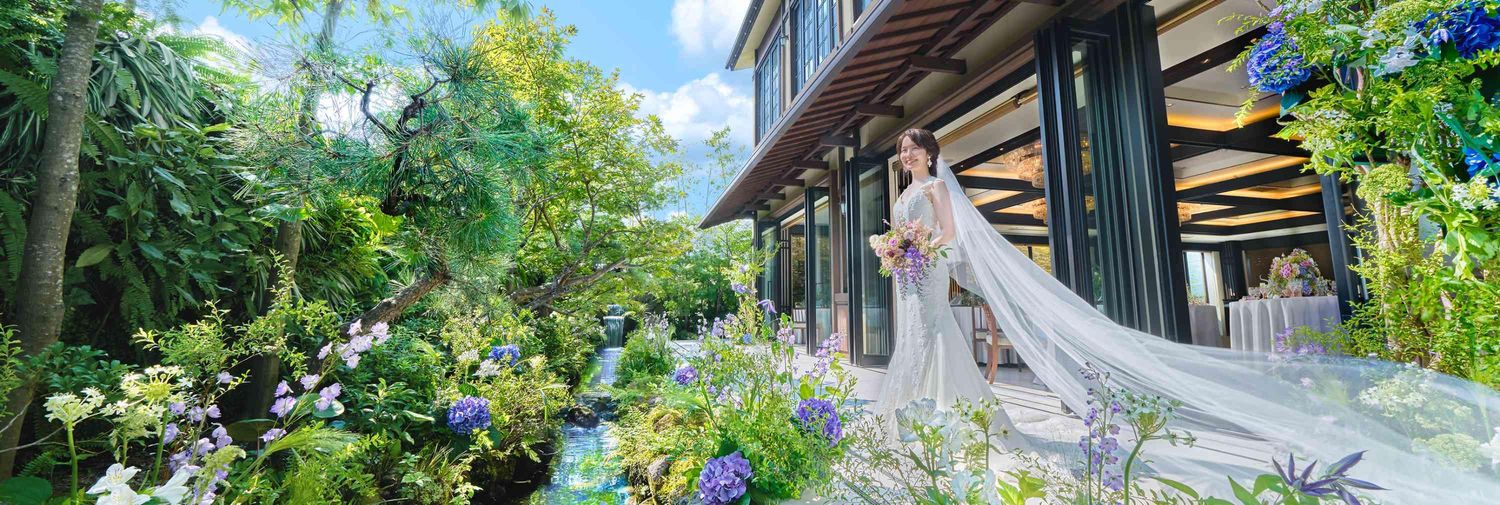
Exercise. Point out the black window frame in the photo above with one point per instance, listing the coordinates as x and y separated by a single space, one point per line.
814 28
768 102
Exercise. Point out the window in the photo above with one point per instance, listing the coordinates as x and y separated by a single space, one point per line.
812 32
1202 278
859 7
768 88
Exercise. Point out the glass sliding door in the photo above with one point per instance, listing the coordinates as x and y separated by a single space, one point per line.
870 292
819 266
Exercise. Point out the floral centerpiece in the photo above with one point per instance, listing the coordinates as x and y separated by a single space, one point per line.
907 252
1292 275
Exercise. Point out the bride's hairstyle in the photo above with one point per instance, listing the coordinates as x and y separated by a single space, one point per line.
923 139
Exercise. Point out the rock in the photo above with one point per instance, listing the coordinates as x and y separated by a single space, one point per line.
581 416
657 469
602 403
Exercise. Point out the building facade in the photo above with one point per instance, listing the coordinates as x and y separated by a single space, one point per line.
1099 136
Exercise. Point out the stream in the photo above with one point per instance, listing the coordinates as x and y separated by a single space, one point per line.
583 472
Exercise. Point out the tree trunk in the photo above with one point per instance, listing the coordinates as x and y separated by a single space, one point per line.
39 307
391 308
288 243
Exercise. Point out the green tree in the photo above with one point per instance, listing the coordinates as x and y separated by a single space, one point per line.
40 312
588 229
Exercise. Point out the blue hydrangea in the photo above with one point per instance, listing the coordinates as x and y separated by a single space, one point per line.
817 414
724 479
685 375
501 352
469 414
1469 26
1276 64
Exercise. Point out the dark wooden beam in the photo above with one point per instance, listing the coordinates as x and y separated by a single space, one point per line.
925 63
1252 180
1308 203
1014 219
1051 3
974 182
1210 59
1244 139
910 30
837 141
810 164
879 109
990 153
1184 151
1009 201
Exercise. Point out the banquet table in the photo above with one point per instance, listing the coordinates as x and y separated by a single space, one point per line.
1253 324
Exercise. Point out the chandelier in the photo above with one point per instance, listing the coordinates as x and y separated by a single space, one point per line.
1028 162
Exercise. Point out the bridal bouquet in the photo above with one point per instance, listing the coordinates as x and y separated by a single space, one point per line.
907 252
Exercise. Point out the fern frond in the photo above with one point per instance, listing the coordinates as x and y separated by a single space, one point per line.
28 92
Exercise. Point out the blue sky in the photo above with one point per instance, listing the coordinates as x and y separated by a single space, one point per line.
672 52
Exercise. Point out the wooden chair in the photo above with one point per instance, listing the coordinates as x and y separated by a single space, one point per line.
991 335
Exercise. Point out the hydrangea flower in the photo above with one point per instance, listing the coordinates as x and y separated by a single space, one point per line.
501 352
1276 64
1469 26
724 479
685 375
469 414
814 412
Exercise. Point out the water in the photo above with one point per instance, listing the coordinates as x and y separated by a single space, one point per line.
584 472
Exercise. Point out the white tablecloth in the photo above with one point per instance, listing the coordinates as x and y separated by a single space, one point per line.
1204 321
1254 323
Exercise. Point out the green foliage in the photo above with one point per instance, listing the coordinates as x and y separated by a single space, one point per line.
1401 129
646 356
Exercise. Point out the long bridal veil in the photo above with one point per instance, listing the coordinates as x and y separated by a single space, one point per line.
1428 435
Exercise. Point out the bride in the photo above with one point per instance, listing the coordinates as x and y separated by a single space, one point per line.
1424 433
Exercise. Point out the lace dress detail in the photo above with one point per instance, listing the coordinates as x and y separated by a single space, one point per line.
929 341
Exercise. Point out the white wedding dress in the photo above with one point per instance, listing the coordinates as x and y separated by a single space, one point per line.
932 358
1318 408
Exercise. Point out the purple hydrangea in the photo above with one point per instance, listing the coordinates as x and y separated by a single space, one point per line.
501 352
469 414
724 479
685 375
817 414
1276 64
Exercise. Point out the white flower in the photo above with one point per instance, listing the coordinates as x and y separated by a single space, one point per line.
963 483
1492 448
467 356
488 368
66 408
116 476
122 495
175 489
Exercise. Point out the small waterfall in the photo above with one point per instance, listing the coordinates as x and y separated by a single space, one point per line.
583 472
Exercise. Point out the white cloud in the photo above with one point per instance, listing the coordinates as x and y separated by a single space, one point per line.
695 109
707 25
210 26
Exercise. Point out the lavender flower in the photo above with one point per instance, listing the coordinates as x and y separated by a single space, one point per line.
272 434
283 406
224 378
282 389
501 352
468 415
221 437
177 408
685 375
170 433
309 381
768 306
381 331
817 414
327 395
724 479
1276 64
